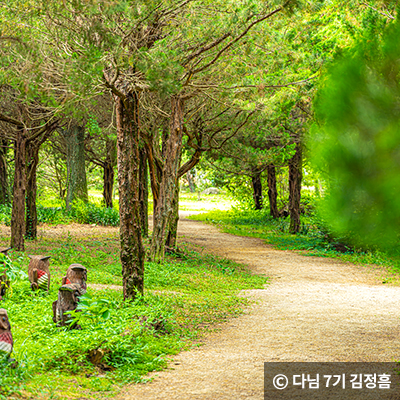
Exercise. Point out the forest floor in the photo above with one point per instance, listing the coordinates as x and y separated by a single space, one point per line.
315 309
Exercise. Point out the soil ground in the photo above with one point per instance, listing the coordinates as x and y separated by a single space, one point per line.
315 309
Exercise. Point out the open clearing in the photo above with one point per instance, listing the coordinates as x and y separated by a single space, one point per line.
315 309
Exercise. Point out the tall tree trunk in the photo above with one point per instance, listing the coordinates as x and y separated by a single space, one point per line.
4 188
31 189
173 222
144 193
272 192
169 181
19 190
257 190
132 250
108 173
295 177
76 172
151 143
190 181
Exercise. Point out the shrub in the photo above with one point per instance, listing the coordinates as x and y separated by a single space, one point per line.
5 214
52 215
89 213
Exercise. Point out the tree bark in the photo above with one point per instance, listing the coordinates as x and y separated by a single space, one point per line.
272 192
144 193
19 190
76 172
4 188
295 177
257 190
169 181
190 181
132 250
31 189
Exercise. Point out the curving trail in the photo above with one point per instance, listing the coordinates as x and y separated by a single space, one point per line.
315 309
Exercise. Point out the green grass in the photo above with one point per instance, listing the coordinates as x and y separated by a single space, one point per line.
313 240
184 297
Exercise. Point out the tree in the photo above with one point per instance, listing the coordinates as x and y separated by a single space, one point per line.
28 125
356 141
74 137
192 67
4 184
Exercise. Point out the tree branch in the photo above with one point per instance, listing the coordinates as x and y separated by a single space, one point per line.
11 120
232 42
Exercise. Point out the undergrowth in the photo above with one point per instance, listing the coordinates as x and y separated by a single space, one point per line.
80 212
184 297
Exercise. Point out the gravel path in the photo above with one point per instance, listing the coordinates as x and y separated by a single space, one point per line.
315 309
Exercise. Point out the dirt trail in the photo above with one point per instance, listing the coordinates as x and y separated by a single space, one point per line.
315 309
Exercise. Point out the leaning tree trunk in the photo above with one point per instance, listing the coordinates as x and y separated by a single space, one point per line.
19 190
76 172
295 176
144 193
257 190
31 189
108 174
132 250
272 192
4 188
169 181
173 221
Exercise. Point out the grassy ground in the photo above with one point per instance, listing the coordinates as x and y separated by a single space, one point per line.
184 297
311 241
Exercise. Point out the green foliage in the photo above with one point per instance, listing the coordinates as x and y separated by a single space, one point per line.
11 378
81 212
52 215
94 309
357 142
90 213
12 268
5 214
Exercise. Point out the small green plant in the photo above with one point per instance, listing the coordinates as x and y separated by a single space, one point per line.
12 268
90 309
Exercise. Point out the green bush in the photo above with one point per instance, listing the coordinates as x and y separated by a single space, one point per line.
83 213
89 213
52 215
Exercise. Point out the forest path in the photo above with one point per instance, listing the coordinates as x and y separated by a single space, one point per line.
315 309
